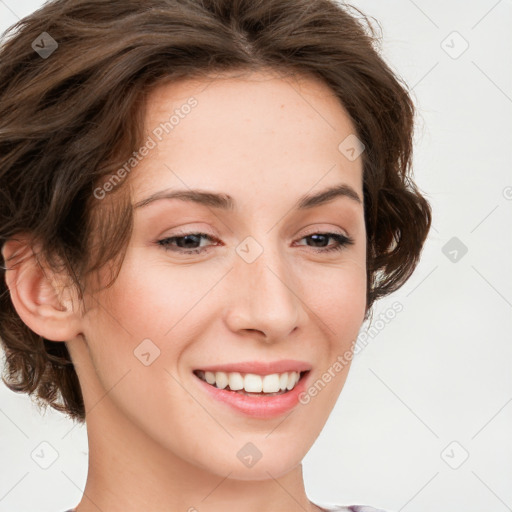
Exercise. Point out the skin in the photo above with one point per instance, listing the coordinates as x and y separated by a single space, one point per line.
157 441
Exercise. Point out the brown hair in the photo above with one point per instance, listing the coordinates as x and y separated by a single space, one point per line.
69 119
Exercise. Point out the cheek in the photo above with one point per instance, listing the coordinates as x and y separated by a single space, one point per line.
152 308
133 347
146 300
136 308
337 295
337 300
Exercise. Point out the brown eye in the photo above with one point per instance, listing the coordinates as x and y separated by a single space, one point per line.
190 243
322 239
186 243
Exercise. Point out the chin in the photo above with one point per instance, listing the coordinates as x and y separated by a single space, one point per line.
273 465
263 472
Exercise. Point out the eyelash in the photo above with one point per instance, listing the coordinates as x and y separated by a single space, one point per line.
342 242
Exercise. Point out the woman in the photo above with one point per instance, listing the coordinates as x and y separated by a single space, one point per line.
201 201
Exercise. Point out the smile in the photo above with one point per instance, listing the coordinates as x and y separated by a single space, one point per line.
251 383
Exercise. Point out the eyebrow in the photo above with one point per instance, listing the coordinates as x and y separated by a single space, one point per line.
226 202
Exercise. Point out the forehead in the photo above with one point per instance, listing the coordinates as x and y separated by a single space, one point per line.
259 133
265 99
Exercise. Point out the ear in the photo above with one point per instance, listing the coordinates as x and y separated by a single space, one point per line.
40 296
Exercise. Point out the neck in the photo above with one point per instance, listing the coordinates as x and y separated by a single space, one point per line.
130 471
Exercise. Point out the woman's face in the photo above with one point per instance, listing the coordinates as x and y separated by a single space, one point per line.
264 286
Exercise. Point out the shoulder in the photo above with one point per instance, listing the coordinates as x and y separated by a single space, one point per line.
365 508
350 508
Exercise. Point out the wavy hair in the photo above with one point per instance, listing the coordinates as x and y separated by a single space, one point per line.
69 119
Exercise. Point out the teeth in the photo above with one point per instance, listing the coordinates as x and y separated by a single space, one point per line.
291 380
221 380
283 381
250 382
253 383
270 383
236 381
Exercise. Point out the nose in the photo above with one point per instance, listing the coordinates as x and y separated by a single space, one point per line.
265 297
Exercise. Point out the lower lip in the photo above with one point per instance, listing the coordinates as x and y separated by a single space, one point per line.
257 406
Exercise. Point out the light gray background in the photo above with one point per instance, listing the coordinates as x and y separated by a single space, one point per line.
434 385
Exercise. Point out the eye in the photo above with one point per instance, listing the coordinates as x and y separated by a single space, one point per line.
185 242
341 241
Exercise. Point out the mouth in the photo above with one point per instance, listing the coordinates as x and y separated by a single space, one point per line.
251 384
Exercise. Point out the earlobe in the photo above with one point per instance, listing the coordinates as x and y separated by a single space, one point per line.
35 295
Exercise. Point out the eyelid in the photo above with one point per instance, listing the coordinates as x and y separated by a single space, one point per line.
342 242
317 229
313 230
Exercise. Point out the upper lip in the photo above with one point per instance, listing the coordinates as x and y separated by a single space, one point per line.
260 367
